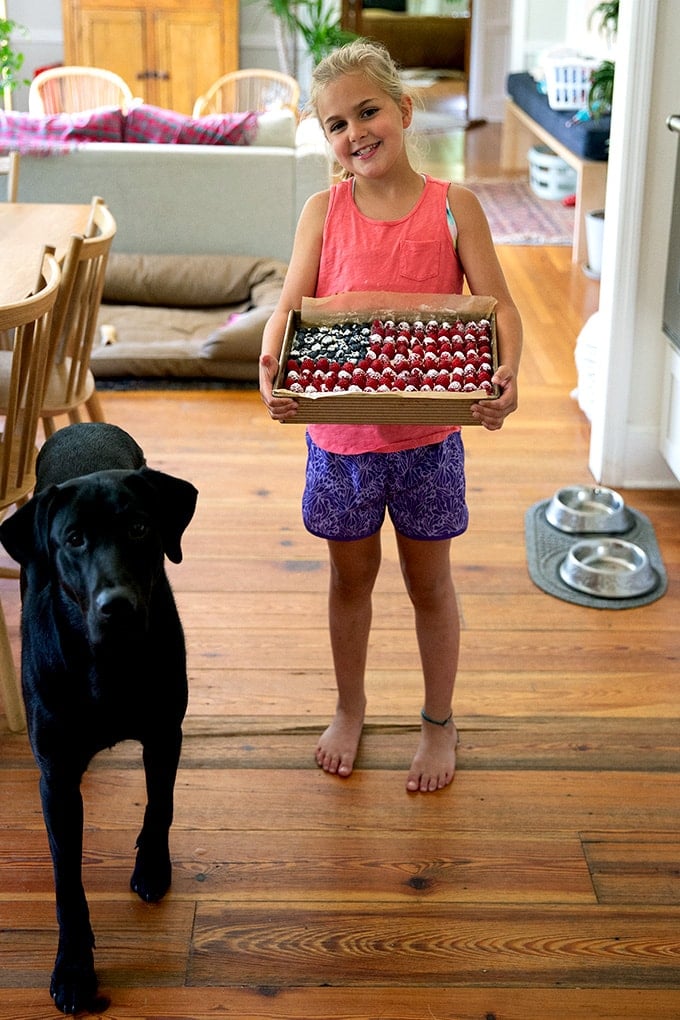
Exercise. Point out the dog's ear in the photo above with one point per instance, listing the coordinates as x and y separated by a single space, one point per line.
174 506
25 535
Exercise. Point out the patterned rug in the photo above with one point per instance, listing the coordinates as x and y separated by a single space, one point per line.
518 216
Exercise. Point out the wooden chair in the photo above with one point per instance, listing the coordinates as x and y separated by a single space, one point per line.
73 89
30 323
249 89
71 384
9 168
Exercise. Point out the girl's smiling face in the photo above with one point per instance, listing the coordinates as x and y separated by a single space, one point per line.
364 125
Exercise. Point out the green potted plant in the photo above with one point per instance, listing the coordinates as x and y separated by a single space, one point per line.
11 61
607 16
319 25
601 89
316 22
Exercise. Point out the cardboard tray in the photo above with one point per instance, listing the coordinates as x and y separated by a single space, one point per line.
398 408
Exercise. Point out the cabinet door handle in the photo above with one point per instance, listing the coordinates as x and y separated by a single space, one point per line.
154 75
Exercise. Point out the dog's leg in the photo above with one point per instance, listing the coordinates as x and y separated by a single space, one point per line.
74 983
153 869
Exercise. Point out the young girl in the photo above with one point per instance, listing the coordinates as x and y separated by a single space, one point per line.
386 227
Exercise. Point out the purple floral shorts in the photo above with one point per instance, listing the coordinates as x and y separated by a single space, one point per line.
423 490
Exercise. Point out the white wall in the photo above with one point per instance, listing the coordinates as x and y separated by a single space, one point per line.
627 424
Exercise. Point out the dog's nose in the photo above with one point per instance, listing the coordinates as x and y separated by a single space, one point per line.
115 603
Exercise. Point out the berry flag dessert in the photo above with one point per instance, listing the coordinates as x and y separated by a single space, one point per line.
453 356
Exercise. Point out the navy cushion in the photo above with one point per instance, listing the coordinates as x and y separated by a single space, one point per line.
588 139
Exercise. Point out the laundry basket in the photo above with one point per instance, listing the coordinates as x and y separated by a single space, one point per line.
567 79
549 176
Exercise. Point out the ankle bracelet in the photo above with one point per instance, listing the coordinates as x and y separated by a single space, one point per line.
436 722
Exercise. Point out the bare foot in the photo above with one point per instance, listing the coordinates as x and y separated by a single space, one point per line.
338 745
434 764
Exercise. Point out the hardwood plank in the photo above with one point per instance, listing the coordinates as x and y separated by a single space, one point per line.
279 742
466 945
402 1003
537 649
28 941
635 872
243 867
561 803
391 608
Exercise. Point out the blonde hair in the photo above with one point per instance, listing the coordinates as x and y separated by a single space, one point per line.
370 58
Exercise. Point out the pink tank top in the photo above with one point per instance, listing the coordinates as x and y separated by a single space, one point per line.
414 254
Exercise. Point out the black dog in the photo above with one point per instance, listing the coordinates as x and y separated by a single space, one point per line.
103 655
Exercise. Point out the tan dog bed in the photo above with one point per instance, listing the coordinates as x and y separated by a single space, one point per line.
189 316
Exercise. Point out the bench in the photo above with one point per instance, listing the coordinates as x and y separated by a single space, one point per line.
530 120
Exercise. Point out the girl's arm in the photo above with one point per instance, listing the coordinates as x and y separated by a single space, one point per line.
485 276
300 282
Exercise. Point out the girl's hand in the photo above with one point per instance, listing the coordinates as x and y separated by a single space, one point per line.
492 413
280 408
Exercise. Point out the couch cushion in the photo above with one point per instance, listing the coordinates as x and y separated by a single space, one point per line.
189 281
143 340
29 133
145 123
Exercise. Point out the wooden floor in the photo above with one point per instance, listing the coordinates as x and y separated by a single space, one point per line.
542 885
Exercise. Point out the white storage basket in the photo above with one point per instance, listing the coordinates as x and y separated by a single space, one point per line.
567 79
549 176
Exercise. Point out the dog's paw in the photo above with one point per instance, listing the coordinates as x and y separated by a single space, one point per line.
151 878
74 982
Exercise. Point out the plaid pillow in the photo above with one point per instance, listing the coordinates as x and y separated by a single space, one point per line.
59 132
153 124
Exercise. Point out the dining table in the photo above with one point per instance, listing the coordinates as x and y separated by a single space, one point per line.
25 229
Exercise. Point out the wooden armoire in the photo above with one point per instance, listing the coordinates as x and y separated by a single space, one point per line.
168 51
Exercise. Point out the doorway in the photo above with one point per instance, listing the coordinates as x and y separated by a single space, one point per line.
425 34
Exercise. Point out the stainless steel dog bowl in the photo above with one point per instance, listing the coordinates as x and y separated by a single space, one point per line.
582 508
609 568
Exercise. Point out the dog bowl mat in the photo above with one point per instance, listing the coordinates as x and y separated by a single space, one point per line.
546 547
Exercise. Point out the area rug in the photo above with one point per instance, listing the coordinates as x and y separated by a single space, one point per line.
518 216
546 547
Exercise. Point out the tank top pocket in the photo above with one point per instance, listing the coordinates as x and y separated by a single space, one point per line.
419 260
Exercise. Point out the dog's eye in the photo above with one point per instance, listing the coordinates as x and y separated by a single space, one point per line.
138 530
75 539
